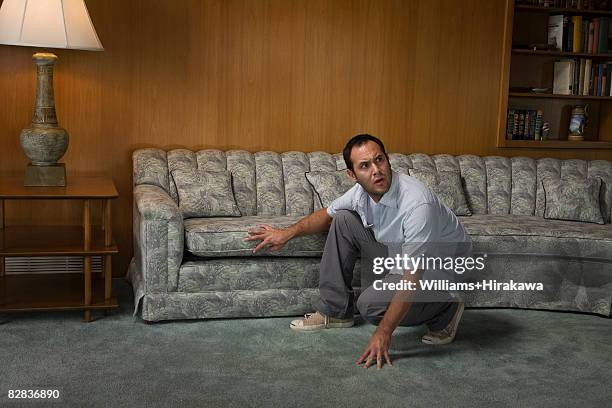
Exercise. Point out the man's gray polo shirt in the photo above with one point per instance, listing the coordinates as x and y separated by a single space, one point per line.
411 217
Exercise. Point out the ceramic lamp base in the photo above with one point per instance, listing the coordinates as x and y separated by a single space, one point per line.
45 176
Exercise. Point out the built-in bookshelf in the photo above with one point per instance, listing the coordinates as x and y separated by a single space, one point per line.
528 76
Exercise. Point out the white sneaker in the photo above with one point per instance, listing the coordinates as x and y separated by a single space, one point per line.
318 321
447 334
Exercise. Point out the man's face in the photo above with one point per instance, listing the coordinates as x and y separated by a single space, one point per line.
371 169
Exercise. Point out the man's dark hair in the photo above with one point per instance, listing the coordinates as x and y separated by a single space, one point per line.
358 141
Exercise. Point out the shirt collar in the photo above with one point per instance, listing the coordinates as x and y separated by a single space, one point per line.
389 199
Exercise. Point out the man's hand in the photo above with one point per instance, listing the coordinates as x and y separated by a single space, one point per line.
378 348
272 239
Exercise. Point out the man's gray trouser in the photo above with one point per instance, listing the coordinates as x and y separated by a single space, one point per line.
347 240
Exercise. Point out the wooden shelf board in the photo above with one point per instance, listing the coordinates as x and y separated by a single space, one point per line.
559 53
558 10
557 144
51 241
30 292
556 96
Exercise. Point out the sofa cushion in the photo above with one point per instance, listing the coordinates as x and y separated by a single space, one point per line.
523 234
204 193
573 200
224 237
329 185
447 186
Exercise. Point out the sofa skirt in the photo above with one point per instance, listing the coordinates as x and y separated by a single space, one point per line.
580 285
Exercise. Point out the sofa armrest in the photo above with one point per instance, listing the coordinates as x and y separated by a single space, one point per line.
158 238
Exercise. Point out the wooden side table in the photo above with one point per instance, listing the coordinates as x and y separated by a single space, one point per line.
58 290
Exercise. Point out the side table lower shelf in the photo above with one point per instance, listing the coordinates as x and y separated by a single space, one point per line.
58 291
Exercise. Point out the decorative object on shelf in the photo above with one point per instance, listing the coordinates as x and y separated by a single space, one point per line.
52 24
545 130
578 122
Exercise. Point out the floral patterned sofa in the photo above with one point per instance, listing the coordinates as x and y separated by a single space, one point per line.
202 268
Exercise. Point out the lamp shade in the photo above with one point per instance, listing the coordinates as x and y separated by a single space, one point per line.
48 23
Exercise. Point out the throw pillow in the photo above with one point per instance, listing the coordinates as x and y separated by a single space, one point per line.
205 194
447 186
329 185
573 200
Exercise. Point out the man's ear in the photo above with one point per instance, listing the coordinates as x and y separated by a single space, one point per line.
350 173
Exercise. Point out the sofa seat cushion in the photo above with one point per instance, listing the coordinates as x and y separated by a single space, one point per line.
532 235
224 237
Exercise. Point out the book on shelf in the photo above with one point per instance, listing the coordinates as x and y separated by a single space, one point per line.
595 35
598 81
580 76
577 33
568 34
587 77
604 23
585 35
556 31
524 124
538 125
575 76
592 80
609 40
563 77
591 36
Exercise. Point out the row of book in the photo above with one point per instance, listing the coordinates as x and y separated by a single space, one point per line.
576 4
582 77
577 34
524 124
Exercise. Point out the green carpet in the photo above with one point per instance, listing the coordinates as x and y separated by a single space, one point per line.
501 357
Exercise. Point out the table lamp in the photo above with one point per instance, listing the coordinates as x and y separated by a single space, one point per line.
48 24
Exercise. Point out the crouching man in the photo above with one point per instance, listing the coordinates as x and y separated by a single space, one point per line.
382 207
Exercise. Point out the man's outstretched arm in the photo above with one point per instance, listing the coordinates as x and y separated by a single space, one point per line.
274 239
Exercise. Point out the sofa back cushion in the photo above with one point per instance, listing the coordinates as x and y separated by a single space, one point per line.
573 200
150 166
524 186
447 186
205 193
269 183
298 193
329 185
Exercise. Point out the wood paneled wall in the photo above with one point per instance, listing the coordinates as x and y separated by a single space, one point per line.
263 74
